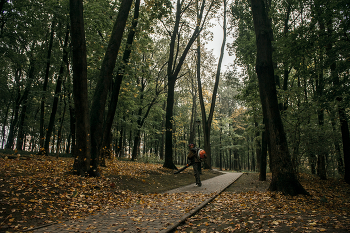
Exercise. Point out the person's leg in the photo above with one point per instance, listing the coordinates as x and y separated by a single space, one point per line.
196 173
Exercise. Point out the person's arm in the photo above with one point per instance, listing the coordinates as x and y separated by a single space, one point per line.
190 155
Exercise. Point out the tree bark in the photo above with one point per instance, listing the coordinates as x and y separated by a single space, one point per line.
284 178
339 159
193 113
344 126
83 143
119 77
172 74
264 149
15 114
168 158
161 154
72 125
104 83
4 123
59 133
46 80
24 100
57 91
206 123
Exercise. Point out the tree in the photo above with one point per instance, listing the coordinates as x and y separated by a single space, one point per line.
57 92
46 80
119 77
206 123
82 148
283 175
104 83
175 63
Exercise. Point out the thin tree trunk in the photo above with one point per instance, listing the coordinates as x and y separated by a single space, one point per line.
15 113
46 80
161 154
257 146
206 123
57 91
321 158
4 123
193 113
339 159
59 133
72 123
20 136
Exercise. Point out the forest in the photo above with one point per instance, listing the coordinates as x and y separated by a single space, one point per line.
137 80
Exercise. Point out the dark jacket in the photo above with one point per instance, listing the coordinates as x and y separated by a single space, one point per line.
192 155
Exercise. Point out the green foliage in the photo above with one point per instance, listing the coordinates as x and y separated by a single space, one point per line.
309 67
308 41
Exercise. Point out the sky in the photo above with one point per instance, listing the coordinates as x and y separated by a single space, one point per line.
215 45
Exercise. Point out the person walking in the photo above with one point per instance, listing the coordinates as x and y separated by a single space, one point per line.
193 157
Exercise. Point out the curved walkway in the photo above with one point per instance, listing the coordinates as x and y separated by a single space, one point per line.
160 218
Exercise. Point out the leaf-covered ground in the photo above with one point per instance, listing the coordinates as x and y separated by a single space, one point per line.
38 190
246 206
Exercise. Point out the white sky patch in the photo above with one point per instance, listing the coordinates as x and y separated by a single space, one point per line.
216 43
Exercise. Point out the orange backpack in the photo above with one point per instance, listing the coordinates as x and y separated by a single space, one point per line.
201 154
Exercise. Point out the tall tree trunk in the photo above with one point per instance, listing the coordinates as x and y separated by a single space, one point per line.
20 136
138 131
57 91
172 74
321 158
193 113
339 159
4 123
284 178
119 77
161 154
15 113
168 159
344 126
72 123
206 123
346 140
59 133
46 80
103 84
285 62
82 148
141 119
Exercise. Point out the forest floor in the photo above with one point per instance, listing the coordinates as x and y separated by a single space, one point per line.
247 206
38 190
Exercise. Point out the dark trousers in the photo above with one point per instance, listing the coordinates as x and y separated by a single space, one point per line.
196 169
